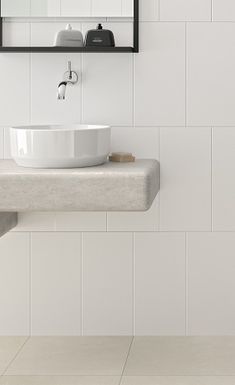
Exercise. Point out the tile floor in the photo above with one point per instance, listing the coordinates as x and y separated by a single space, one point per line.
117 361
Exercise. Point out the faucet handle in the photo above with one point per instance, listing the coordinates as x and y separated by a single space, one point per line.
70 69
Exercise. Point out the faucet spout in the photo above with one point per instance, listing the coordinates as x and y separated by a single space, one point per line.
70 78
61 90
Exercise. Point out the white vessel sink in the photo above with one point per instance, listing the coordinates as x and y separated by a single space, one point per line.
69 146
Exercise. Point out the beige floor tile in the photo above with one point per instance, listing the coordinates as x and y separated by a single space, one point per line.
159 380
72 356
182 356
62 380
9 346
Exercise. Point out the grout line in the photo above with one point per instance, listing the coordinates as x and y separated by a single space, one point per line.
179 375
107 221
212 10
212 180
4 142
209 376
30 65
130 231
186 75
82 285
134 282
55 220
159 193
82 90
133 91
16 355
159 11
186 285
30 74
125 363
30 282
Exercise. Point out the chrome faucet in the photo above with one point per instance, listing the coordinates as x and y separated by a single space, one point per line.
70 78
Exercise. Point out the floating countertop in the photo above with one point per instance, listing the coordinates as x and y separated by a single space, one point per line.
110 187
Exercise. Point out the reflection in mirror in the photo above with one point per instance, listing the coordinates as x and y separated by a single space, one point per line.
67 8
73 8
107 7
15 8
50 8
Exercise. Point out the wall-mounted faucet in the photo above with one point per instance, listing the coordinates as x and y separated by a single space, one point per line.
70 78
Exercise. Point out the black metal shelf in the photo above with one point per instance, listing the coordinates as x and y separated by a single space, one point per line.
67 49
135 47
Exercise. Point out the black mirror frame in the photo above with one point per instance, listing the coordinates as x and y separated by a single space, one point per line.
135 47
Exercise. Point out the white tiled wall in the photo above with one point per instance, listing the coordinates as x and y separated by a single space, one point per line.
167 271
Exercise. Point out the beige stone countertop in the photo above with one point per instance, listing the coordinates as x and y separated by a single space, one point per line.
109 187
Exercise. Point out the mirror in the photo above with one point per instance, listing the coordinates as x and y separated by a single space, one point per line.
67 8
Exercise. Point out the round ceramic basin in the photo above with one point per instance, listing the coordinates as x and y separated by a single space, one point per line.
69 146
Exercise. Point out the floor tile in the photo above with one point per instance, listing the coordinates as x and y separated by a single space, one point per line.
179 380
60 380
72 356
9 346
182 356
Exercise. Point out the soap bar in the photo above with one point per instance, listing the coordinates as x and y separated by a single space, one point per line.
122 157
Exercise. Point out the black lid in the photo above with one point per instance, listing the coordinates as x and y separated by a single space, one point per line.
99 26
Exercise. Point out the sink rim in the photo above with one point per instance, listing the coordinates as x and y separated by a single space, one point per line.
61 127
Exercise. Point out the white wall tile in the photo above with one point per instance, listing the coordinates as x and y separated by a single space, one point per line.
159 284
149 12
81 221
56 283
160 75
211 81
185 10
143 142
46 109
16 34
223 10
40 221
223 179
107 89
107 284
211 283
135 221
14 101
76 8
185 196
14 284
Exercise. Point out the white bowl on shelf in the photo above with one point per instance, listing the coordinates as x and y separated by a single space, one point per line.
67 146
